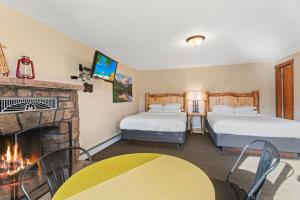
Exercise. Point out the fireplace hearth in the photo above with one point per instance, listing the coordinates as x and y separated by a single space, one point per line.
36 118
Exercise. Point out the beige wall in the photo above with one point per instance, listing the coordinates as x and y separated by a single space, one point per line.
296 57
237 78
56 57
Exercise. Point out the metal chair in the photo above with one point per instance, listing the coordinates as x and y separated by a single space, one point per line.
269 160
57 167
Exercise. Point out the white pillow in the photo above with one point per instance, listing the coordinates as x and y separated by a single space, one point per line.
173 110
172 106
223 109
245 112
155 110
156 106
244 108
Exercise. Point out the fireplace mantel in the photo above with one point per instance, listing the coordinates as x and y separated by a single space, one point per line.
38 84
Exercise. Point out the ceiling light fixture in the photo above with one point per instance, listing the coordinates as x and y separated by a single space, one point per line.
195 40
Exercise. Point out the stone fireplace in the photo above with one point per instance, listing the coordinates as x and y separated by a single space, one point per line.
36 117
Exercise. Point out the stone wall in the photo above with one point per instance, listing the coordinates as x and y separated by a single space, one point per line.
67 110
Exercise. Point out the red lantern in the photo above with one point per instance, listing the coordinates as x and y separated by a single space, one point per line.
25 68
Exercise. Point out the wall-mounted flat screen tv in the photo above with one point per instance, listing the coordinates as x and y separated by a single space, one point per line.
104 67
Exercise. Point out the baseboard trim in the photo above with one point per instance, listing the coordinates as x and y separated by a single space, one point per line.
103 145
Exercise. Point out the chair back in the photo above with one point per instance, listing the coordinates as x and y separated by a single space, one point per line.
269 159
57 167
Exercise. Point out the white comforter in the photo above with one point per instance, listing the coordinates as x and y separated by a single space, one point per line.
167 122
253 125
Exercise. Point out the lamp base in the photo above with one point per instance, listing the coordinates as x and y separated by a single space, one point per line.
195 106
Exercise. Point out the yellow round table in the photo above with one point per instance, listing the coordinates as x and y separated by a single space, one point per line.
142 176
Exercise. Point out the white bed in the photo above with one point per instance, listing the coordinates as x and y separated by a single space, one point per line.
166 127
238 130
155 127
253 125
163 122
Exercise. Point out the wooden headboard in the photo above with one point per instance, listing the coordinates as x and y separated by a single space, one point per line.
233 99
166 98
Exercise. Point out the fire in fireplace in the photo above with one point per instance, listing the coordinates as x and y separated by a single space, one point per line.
12 162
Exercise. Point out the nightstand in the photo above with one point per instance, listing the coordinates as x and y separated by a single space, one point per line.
202 120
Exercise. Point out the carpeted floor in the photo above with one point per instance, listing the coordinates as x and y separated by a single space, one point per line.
282 184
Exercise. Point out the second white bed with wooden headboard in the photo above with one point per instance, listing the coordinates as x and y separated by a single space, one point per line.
235 129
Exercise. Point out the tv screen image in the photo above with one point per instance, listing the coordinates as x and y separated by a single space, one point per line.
104 67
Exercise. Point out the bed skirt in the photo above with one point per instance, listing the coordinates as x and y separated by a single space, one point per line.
154 136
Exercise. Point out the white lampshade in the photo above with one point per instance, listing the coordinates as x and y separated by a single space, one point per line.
195 96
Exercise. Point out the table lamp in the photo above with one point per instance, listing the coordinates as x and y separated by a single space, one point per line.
195 97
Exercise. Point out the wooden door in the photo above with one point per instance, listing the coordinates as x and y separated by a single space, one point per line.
284 77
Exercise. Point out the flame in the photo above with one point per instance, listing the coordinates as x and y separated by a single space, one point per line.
15 155
12 162
8 154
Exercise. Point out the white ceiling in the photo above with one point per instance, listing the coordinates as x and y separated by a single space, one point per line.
150 34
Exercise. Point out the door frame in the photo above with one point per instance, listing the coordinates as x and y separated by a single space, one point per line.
289 62
279 110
